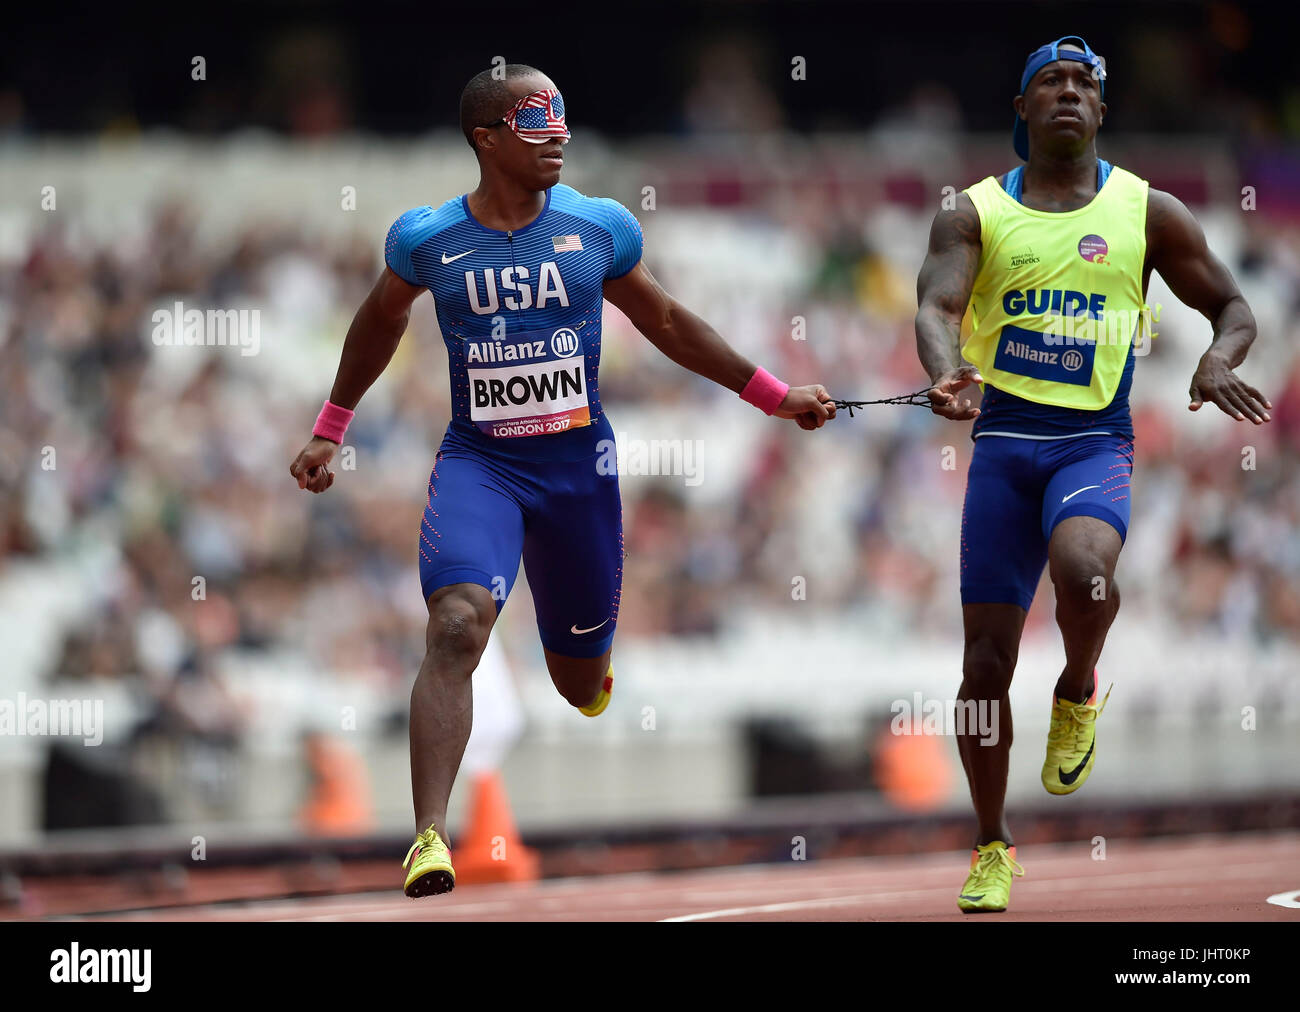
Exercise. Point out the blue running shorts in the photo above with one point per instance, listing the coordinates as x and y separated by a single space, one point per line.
1018 490
485 511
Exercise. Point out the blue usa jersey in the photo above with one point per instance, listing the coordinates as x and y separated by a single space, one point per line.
520 314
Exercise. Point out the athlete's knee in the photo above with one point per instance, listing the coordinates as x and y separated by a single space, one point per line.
458 629
1082 577
1081 559
987 667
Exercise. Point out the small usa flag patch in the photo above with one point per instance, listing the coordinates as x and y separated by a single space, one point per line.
566 244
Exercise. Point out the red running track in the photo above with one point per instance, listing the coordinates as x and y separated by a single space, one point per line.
1221 878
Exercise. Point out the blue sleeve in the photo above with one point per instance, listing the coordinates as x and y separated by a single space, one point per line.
407 233
625 230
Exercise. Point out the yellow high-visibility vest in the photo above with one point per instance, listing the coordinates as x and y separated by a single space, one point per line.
1058 295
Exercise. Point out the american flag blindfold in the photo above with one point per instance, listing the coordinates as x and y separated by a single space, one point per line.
538 117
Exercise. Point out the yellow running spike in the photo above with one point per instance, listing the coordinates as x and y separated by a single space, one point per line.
1071 743
430 866
988 886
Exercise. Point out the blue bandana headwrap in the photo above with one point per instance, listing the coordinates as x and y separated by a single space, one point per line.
1039 59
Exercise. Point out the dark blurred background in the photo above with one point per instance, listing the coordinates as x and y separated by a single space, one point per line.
308 69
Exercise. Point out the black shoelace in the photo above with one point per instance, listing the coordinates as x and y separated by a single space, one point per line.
919 399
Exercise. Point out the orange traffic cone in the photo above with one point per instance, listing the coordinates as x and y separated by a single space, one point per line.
913 771
339 803
490 850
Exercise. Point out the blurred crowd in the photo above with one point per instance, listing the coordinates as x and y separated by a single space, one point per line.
171 463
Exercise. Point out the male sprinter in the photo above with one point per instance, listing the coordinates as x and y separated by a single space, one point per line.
518 269
1054 258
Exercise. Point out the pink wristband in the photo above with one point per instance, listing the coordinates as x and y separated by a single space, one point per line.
764 391
332 422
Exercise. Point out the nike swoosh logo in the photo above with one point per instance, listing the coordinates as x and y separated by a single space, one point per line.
963 896
447 260
1073 775
578 632
1084 489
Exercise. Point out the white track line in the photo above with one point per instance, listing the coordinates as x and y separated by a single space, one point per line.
1097 884
804 882
1093 886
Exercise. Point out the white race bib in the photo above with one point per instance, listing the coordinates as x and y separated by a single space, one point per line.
530 384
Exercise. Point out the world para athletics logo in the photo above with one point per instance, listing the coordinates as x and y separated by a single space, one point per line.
1093 248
